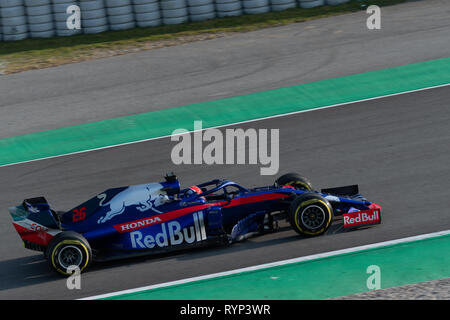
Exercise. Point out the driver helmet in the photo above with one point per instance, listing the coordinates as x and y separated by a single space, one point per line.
194 190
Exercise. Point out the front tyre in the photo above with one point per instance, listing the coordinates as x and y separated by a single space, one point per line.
69 249
295 180
310 214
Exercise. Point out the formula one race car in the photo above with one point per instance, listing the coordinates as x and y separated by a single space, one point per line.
160 217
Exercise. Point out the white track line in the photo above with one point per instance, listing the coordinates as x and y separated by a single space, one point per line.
275 264
230 124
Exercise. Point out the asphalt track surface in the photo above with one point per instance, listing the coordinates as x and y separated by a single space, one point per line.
396 148
225 67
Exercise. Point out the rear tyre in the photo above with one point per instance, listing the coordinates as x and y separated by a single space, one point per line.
310 214
295 180
69 249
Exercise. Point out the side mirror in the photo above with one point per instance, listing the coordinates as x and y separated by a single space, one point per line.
228 198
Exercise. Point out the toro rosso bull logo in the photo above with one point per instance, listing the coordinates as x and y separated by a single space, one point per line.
145 197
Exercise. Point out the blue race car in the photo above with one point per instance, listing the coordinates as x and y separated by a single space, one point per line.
161 217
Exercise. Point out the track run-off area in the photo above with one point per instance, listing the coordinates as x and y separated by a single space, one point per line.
285 101
394 147
395 263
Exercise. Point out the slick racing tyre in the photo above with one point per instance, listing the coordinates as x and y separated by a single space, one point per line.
310 214
68 249
295 180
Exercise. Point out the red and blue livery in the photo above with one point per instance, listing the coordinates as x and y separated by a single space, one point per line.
160 217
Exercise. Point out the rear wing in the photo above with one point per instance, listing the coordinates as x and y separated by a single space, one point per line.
35 223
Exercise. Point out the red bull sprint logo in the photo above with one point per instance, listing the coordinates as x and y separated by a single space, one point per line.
358 218
171 234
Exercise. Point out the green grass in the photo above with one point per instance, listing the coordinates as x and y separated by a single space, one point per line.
40 53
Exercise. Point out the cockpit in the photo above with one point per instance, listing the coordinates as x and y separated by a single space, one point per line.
215 190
